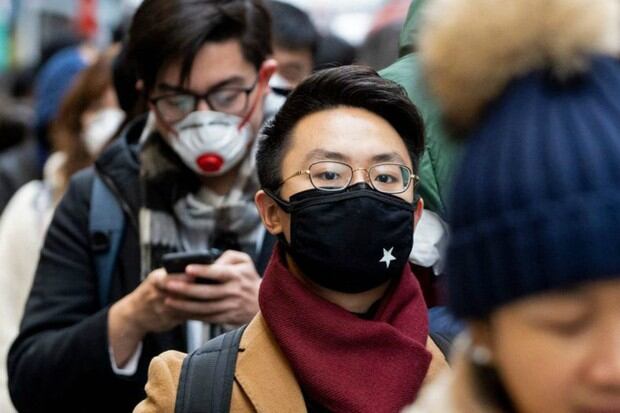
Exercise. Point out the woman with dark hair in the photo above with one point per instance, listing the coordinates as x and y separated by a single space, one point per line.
88 117
533 258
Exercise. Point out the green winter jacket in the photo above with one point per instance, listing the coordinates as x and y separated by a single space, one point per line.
440 152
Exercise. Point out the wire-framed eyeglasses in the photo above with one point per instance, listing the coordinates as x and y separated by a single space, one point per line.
389 178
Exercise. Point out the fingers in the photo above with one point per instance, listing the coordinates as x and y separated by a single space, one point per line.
200 309
190 290
233 268
233 257
157 277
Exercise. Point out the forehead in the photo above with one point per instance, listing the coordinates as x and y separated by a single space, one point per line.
358 136
214 63
290 56
591 294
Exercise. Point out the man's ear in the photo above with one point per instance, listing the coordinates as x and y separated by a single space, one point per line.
269 212
417 214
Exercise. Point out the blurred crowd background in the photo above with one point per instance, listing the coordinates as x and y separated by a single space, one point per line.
32 31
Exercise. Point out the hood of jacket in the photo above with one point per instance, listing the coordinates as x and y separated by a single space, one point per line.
436 164
410 29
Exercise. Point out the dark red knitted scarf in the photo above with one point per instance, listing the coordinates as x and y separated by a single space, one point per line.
343 362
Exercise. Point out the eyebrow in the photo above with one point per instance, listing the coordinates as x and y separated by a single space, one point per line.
232 81
322 154
388 157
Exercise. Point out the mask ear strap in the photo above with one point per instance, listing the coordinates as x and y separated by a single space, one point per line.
285 206
263 83
248 115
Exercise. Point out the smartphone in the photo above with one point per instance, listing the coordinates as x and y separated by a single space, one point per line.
176 262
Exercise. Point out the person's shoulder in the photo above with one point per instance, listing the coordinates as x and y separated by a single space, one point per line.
404 72
168 362
26 195
19 163
81 183
439 363
24 208
163 382
436 397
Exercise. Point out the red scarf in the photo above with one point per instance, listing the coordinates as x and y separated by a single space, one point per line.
345 363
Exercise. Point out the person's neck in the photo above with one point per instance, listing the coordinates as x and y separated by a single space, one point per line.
221 184
358 303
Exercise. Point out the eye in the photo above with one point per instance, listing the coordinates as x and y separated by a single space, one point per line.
181 102
386 179
328 176
178 100
226 98
568 328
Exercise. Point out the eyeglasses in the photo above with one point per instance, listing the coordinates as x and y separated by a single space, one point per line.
389 178
174 107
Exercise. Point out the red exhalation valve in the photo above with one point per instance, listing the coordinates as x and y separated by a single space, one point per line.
210 162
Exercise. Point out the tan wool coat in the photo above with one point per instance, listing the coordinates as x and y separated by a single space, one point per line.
264 381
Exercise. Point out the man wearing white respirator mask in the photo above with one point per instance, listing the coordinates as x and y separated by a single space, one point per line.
184 177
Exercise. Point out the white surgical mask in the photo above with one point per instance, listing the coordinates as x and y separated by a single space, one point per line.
210 143
101 128
280 85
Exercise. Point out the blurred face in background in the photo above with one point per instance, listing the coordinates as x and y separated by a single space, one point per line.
293 65
101 120
221 70
559 352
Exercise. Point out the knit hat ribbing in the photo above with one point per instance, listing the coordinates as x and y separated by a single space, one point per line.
536 199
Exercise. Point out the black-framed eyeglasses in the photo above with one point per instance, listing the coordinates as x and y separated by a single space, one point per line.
233 100
389 178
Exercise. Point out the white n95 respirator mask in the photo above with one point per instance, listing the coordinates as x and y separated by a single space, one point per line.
210 143
101 129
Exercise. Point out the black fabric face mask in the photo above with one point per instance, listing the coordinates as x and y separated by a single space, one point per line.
350 241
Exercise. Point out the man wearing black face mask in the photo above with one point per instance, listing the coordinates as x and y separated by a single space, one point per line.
343 325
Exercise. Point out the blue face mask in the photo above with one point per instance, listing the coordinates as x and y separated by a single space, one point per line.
349 241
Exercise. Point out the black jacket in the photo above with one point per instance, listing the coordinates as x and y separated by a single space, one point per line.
60 360
18 166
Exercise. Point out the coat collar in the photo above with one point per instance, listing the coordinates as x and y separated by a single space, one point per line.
269 383
264 374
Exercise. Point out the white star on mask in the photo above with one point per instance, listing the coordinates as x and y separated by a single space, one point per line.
387 257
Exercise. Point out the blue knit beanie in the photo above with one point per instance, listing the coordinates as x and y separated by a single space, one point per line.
535 202
54 81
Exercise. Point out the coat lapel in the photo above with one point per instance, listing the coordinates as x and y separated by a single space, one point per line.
264 373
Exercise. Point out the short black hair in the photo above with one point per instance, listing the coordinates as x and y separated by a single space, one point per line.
344 86
333 51
292 28
163 31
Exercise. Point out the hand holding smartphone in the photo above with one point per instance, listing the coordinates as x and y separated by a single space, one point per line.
176 262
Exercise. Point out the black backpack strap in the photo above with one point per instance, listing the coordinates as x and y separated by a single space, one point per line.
207 375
